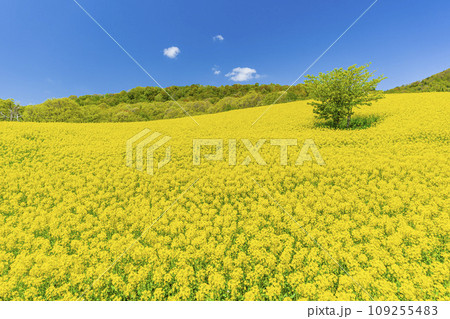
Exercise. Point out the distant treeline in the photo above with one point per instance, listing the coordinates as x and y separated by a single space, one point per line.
152 103
439 82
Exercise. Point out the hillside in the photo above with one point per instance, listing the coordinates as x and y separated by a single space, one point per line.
191 93
152 103
439 82
225 230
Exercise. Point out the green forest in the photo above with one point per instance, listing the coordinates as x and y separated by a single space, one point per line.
439 82
151 103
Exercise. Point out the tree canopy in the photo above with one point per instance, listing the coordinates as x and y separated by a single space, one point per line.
336 93
151 103
9 110
439 82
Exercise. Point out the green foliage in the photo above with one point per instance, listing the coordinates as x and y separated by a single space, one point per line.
356 123
9 110
55 110
191 93
338 92
150 103
439 82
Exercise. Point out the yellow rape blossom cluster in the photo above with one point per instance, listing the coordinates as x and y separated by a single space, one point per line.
70 207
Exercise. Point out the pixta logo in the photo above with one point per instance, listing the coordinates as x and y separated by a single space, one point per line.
151 143
253 151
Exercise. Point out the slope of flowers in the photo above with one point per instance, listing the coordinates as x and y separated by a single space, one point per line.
69 207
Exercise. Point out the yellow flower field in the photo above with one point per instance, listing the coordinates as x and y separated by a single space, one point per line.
70 207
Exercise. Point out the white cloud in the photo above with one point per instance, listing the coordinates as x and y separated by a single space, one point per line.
216 70
172 52
242 74
218 37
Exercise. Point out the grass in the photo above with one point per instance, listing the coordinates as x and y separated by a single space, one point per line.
356 123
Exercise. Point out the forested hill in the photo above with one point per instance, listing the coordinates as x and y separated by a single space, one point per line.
439 82
195 92
152 103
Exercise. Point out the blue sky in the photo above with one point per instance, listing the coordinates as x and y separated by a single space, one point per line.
50 48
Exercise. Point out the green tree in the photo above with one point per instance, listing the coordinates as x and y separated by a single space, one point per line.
55 110
9 110
337 92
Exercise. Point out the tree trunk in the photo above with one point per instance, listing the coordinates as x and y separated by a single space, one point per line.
348 120
335 122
